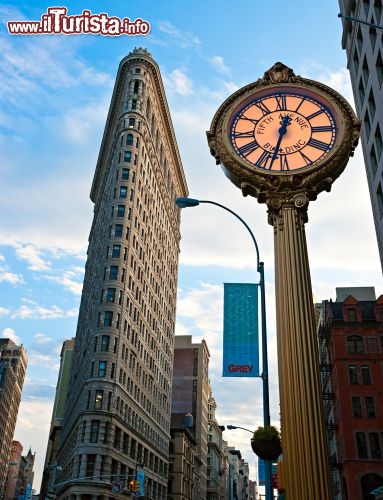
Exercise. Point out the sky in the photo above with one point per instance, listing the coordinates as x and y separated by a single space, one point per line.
55 94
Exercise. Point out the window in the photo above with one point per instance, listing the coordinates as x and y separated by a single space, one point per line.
83 429
108 317
370 407
135 86
366 376
105 339
116 251
125 174
134 103
355 344
372 33
352 374
118 230
91 460
356 407
132 122
107 432
379 68
113 272
365 70
129 140
102 368
361 91
367 124
361 445
99 395
378 140
371 104
356 61
372 344
125 443
351 313
373 160
379 197
120 210
94 430
375 445
117 438
127 156
378 10
110 295
123 191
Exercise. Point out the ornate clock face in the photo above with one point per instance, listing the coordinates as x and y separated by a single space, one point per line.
283 129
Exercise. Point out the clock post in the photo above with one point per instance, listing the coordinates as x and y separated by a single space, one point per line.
283 140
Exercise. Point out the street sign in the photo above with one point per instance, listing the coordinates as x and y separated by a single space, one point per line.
117 486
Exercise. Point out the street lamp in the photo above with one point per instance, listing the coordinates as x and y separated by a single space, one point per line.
231 427
184 202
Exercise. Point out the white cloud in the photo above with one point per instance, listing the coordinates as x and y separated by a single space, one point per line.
42 339
9 277
67 279
33 256
179 83
4 311
34 432
32 310
184 39
49 361
219 64
11 334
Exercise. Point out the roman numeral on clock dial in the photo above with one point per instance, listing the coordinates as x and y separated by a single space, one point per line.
248 148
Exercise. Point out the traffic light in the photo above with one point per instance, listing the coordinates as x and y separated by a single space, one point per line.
132 485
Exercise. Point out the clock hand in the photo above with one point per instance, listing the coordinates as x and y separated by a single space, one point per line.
282 131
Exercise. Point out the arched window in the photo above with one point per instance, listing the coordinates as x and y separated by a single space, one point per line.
129 140
370 482
355 344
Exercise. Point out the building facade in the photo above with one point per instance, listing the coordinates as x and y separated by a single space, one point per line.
20 474
191 392
117 415
13 485
182 463
351 333
215 461
364 48
13 364
54 438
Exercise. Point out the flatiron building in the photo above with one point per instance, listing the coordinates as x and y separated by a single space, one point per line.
116 425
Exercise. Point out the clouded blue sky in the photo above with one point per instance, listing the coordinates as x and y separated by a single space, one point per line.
55 93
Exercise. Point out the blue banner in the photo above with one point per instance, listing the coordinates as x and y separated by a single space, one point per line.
140 475
240 330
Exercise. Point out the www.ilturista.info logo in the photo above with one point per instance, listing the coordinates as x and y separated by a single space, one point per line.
56 21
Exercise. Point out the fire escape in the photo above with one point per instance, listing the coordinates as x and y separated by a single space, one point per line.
328 399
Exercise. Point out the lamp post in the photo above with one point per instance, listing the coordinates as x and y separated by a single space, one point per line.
231 427
184 202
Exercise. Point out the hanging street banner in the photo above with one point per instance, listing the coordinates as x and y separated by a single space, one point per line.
240 330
